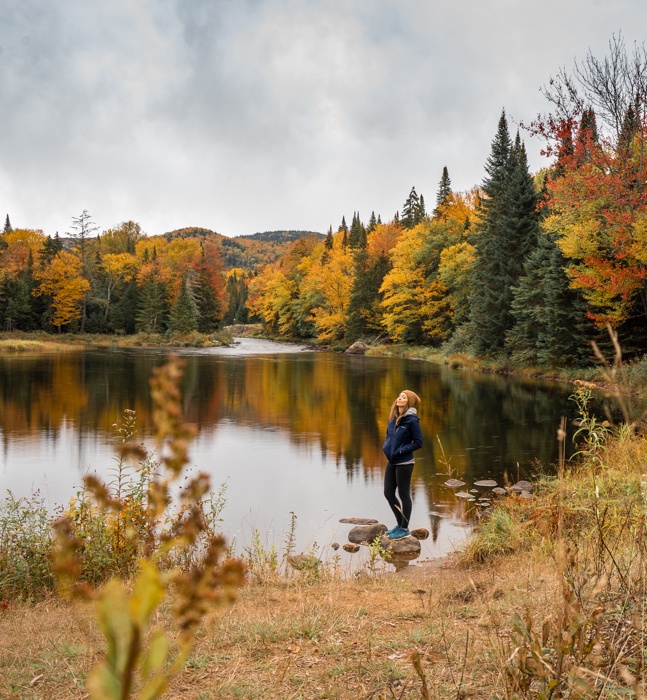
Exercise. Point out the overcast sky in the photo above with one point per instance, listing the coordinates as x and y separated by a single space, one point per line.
254 115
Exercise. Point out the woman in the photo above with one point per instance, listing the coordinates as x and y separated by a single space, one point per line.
403 436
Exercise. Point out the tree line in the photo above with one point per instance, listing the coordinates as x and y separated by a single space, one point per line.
531 266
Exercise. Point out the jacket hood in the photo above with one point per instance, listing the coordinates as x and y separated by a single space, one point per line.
409 412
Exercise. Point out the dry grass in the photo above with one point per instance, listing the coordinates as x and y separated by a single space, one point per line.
337 639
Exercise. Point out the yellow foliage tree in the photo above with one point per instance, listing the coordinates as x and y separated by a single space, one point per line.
63 280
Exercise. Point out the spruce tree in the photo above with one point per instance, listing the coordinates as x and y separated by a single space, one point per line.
183 317
152 309
486 330
357 234
7 225
372 223
411 210
551 326
444 192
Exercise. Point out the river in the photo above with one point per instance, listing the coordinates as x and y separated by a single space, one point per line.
285 430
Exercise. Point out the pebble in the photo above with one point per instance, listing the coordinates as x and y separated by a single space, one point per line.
350 547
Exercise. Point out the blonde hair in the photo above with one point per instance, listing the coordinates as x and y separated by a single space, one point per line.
413 401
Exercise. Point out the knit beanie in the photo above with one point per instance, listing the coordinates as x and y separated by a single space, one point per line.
413 398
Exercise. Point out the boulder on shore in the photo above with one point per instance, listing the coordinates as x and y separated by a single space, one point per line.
303 561
365 534
357 348
522 487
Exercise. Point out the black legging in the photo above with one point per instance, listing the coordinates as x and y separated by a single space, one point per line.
399 477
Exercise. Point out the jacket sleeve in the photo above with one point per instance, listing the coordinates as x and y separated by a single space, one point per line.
416 438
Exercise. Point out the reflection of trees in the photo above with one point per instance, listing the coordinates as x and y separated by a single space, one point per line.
337 403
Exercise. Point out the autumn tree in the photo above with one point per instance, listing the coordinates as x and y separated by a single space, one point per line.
599 201
63 280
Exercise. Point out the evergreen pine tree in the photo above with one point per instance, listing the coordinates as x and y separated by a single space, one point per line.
372 223
357 233
411 210
152 309
7 225
328 244
485 328
444 192
551 326
587 137
183 317
237 311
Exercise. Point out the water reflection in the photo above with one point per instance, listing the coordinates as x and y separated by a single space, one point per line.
289 431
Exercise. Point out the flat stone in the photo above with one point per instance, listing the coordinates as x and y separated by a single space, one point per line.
350 547
436 514
357 348
365 534
486 483
404 549
303 561
474 490
499 491
359 521
454 483
522 486
420 533
462 494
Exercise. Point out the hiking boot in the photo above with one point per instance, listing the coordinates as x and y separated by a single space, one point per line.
388 533
399 534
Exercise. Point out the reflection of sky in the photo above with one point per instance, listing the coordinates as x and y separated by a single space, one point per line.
267 477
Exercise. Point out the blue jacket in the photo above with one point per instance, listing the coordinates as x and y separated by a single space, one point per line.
403 439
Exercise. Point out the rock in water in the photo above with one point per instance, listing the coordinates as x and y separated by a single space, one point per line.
365 534
454 483
522 486
335 546
357 348
486 483
349 547
462 494
358 521
499 491
420 533
404 549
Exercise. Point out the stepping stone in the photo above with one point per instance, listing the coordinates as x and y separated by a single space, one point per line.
349 547
359 521
462 494
420 533
454 483
474 490
365 534
499 491
486 483
401 550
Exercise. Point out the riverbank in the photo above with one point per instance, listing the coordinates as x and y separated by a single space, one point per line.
23 342
551 593
630 378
